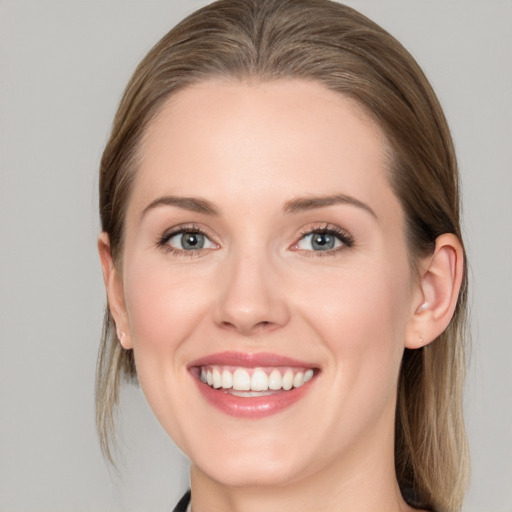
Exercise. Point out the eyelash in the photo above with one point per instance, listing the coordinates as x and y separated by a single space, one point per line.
326 229
162 242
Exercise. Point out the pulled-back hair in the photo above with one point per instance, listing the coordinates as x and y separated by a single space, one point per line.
323 41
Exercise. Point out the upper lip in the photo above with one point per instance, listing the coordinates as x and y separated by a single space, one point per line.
249 360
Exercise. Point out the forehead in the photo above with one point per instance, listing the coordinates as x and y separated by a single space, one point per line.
294 137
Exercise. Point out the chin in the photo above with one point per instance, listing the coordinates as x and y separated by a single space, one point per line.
251 466
252 473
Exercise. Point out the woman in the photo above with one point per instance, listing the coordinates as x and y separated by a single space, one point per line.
283 261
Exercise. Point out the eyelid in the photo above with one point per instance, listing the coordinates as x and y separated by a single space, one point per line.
163 239
341 234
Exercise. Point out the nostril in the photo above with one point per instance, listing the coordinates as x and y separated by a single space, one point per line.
248 328
229 325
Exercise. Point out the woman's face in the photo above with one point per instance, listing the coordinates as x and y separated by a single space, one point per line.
265 251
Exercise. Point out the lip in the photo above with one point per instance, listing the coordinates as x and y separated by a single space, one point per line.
249 360
250 407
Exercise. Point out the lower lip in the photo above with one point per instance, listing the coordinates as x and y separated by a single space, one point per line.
252 407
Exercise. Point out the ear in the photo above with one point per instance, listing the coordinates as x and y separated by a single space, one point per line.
438 290
115 293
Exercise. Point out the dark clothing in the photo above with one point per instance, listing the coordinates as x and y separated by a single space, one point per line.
183 503
408 496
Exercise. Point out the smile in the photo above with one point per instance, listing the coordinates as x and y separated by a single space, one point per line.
254 379
252 385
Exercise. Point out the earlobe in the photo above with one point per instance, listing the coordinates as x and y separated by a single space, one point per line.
114 289
439 285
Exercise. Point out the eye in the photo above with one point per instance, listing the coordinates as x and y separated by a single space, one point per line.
186 240
324 240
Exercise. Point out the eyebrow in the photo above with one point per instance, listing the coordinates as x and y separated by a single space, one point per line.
310 203
192 204
299 204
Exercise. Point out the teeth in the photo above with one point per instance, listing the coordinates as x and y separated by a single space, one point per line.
241 380
259 381
275 381
254 382
216 378
298 380
227 379
250 394
288 380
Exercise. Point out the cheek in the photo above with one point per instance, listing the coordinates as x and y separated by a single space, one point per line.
164 309
362 323
162 305
362 315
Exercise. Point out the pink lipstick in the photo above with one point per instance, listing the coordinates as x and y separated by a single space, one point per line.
252 385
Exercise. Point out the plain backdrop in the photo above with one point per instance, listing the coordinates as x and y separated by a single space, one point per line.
63 67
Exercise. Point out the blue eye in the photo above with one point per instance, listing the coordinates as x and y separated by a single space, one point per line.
188 241
323 240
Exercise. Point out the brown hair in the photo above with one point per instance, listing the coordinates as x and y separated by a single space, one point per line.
335 45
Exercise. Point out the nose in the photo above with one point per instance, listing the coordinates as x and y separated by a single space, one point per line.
251 301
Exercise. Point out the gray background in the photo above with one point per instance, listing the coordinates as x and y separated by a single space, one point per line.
63 67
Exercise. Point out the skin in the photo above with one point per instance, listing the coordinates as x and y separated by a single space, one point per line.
258 286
